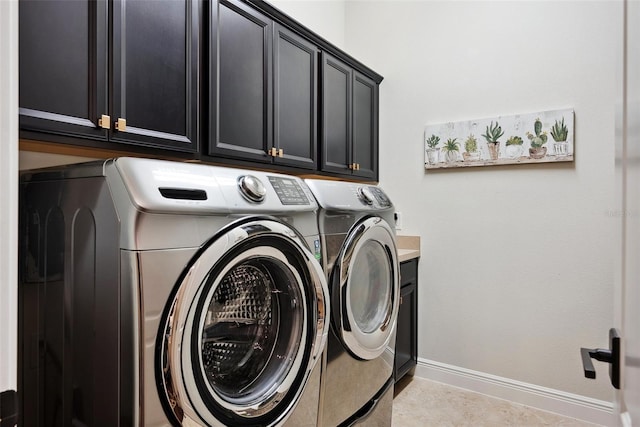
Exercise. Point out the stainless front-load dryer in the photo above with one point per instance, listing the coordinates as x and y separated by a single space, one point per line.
156 293
361 265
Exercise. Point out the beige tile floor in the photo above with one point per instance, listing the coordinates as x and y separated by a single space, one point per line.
419 402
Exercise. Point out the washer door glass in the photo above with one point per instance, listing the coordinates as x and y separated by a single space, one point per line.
245 329
251 330
366 290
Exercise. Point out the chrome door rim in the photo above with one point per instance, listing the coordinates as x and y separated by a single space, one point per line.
176 358
364 345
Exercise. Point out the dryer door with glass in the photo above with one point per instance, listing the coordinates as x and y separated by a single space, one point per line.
245 328
365 288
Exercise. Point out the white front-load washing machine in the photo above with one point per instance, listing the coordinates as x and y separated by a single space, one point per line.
156 293
361 265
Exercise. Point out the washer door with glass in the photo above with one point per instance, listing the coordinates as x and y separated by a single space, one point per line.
245 328
365 284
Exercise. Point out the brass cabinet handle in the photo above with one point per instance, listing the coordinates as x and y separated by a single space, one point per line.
121 125
357 166
104 122
274 152
352 166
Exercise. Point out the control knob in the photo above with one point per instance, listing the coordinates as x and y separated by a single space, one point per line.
366 195
252 188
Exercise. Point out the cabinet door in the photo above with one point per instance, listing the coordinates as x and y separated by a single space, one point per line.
63 59
406 354
365 126
240 98
295 99
155 73
405 343
336 115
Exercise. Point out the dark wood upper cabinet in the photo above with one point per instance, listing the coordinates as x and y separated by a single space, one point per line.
63 67
263 96
245 84
365 126
349 121
295 99
240 75
337 78
155 72
67 83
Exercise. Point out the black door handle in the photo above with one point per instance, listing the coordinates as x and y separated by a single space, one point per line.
612 356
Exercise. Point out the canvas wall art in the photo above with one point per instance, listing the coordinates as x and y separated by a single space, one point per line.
541 137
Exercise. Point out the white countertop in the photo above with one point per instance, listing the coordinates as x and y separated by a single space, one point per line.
408 247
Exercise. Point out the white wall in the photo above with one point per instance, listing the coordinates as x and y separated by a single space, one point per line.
516 270
9 192
324 17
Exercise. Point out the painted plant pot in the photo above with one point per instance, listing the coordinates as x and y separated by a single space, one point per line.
538 152
451 156
471 157
561 148
514 151
433 155
494 150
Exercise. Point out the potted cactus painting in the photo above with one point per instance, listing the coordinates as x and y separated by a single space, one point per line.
505 140
471 146
433 151
451 149
493 133
513 147
537 150
559 133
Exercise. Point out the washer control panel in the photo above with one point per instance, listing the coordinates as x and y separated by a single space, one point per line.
289 191
175 187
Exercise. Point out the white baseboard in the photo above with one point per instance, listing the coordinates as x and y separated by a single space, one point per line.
556 401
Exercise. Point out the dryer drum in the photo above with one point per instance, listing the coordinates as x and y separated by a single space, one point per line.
370 294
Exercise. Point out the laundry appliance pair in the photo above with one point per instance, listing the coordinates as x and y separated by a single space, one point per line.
156 293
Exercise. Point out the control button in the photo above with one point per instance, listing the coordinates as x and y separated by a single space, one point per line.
366 195
252 188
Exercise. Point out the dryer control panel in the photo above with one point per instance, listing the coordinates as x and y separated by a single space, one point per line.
348 196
